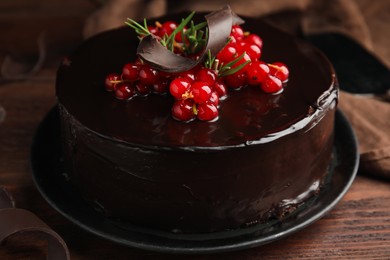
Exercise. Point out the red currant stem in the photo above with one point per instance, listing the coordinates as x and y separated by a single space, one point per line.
119 81
215 66
177 45
247 33
158 24
194 109
116 81
274 66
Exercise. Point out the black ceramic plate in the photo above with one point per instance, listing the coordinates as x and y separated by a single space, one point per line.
52 183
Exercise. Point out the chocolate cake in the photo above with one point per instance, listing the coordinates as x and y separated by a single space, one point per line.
265 155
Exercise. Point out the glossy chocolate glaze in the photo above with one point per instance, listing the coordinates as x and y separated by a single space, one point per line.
261 158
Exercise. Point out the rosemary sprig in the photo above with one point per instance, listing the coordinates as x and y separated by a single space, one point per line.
171 38
227 69
141 30
210 61
194 39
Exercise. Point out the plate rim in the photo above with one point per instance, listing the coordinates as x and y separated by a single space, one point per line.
340 122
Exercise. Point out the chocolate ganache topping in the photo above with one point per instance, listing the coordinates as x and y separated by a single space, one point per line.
248 116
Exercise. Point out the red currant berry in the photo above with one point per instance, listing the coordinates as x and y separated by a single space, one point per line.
125 91
153 29
148 75
130 71
237 32
182 110
253 51
200 91
236 80
161 86
112 81
163 74
227 54
272 84
232 40
207 111
207 75
214 98
179 87
220 88
254 39
279 70
179 37
142 89
167 28
240 46
257 72
190 75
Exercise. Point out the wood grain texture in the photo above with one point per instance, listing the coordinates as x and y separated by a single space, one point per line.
358 228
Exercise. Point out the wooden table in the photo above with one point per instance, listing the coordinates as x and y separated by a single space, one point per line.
358 228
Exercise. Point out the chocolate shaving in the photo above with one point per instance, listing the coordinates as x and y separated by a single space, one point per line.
219 23
160 58
15 221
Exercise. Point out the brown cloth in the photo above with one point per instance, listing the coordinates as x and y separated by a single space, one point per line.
365 21
371 122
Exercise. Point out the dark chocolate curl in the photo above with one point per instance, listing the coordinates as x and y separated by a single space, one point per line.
220 25
236 19
160 58
14 222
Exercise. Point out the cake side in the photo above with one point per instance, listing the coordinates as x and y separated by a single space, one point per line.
198 191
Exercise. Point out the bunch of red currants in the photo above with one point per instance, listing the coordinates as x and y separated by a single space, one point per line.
198 92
